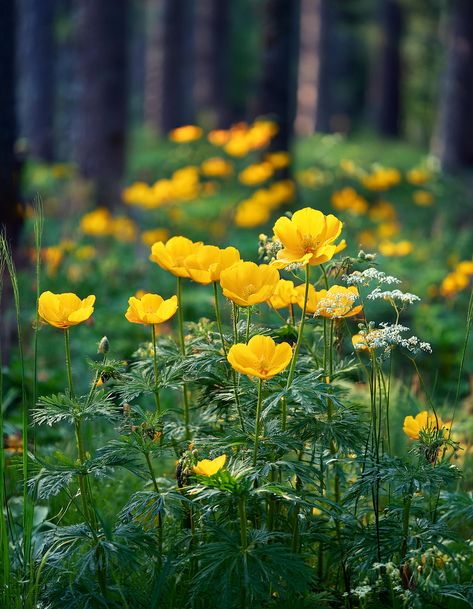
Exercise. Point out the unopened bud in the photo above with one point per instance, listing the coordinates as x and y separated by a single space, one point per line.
103 346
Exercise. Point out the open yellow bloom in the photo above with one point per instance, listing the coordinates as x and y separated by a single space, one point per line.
150 309
255 174
401 248
359 342
284 295
249 214
65 310
171 255
209 467
97 223
154 234
279 160
424 421
337 302
422 197
187 133
246 283
207 263
307 238
216 166
261 357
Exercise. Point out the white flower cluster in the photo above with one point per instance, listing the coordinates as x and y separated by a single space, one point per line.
396 295
388 336
368 275
336 305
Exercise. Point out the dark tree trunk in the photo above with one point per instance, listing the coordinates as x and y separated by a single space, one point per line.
212 42
177 103
37 71
10 209
387 86
154 12
454 142
66 82
101 105
279 67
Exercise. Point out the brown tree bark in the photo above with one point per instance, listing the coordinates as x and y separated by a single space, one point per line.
102 94
453 142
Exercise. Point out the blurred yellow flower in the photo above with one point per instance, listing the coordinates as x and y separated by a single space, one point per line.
453 283
238 146
187 133
279 160
256 173
367 238
423 198
261 357
391 249
383 210
307 238
97 223
381 178
219 137
418 175
208 261
85 252
209 467
359 343
216 167
65 310
150 309
348 166
246 283
124 229
171 255
348 199
284 295
52 256
148 237
249 214
386 230
465 267
424 421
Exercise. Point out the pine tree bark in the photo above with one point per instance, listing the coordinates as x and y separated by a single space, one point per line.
454 137
279 67
101 104
177 101
154 65
37 72
212 41
387 86
10 209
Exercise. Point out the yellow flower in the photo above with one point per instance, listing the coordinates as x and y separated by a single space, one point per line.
218 137
359 342
418 175
148 237
367 238
85 252
65 310
261 357
150 309
465 267
171 255
206 264
381 178
255 174
401 248
187 133
246 283
238 146
279 160
216 166
52 255
348 199
348 166
307 238
123 228
453 283
312 299
284 295
97 223
209 467
424 421
423 198
249 214
388 229
337 302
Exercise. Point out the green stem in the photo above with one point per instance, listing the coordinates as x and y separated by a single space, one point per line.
301 328
156 488
156 377
257 422
283 414
235 322
219 318
248 323
68 361
180 317
244 545
235 376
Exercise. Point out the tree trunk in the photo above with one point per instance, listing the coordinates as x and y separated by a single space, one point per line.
454 139
387 86
177 103
212 41
101 105
279 66
154 64
37 72
10 209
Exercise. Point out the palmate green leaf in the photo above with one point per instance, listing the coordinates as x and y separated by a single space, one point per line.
265 562
52 475
144 507
62 407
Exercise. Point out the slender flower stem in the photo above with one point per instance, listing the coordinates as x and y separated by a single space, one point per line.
235 376
244 545
235 322
156 377
160 520
219 318
292 314
248 323
68 361
180 317
257 421
301 328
